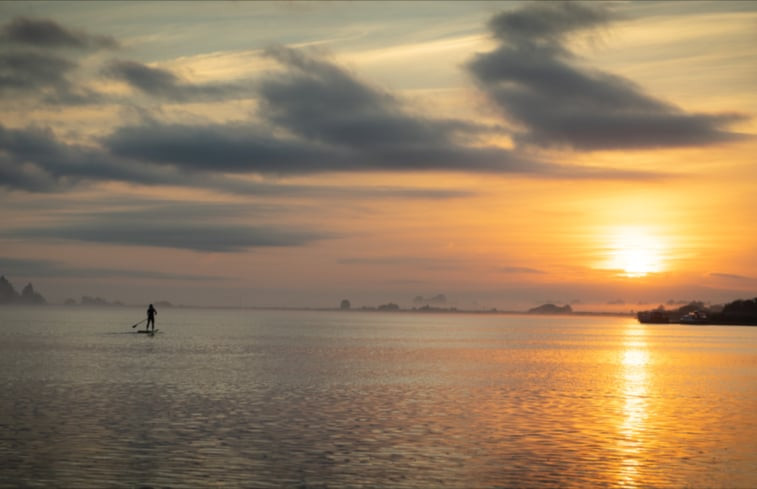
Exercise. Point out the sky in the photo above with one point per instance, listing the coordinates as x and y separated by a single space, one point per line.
503 154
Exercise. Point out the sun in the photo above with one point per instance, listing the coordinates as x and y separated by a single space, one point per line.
635 252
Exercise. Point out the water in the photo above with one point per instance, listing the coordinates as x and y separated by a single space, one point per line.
257 399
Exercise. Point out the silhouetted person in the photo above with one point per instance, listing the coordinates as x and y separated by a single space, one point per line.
151 312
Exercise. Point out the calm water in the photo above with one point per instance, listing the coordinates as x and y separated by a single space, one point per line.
317 399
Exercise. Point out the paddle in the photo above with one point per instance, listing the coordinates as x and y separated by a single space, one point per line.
137 324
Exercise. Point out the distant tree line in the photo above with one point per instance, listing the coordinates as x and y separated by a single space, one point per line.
740 311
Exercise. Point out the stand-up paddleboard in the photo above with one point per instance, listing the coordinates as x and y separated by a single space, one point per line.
148 331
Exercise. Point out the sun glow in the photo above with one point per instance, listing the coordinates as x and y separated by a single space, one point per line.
635 252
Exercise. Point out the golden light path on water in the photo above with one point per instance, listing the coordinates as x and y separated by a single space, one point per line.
635 389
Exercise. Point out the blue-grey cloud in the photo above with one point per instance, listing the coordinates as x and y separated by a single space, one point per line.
35 268
34 160
251 149
213 228
321 102
38 58
162 83
43 76
49 34
319 118
233 148
324 119
545 24
535 81
335 122
28 72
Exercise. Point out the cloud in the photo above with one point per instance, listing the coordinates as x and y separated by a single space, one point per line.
546 24
517 270
29 72
57 269
321 102
172 226
316 117
208 237
32 62
163 83
730 276
237 148
420 262
535 81
44 75
320 118
49 34
34 160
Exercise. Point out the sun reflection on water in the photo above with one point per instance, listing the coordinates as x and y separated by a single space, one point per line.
635 386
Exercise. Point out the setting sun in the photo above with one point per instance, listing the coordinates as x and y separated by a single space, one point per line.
635 252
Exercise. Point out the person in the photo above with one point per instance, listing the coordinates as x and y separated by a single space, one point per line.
151 312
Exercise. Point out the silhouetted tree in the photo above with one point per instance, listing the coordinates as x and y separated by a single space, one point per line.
8 294
741 308
30 296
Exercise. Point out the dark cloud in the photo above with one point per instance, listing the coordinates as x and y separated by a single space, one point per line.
536 82
223 148
319 101
163 83
56 269
323 119
320 118
44 76
251 149
32 65
33 159
544 24
334 122
172 228
198 237
17 175
143 77
30 72
49 34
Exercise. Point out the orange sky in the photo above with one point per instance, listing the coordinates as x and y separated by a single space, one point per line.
503 154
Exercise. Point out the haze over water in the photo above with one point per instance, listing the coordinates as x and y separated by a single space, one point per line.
231 398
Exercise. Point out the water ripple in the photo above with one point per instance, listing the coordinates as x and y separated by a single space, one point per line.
505 404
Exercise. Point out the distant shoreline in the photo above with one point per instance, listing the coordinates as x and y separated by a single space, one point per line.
422 310
336 309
